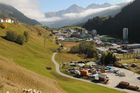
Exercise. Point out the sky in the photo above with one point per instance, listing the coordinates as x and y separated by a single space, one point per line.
56 5
35 9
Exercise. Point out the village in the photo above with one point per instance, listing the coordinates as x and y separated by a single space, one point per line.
123 74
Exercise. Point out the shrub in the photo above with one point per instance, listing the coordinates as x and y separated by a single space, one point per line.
11 35
3 26
20 39
40 33
14 37
26 34
87 48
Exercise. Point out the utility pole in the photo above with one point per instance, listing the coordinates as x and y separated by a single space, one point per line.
45 37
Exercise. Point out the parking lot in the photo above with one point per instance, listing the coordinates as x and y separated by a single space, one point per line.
131 77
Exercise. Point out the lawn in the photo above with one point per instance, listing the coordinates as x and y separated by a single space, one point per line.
129 59
69 45
67 57
35 57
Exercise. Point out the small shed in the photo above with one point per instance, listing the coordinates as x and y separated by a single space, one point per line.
84 72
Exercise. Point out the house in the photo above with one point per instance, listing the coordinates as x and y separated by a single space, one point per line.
7 20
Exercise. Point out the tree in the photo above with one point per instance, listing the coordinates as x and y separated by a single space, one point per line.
20 39
108 58
26 34
11 36
128 17
39 33
74 49
14 37
87 48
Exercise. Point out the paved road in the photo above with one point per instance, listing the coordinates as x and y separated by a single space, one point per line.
65 75
68 76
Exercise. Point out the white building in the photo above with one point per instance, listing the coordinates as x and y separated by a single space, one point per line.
6 20
125 35
61 38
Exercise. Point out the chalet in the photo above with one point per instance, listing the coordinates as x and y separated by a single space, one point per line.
7 20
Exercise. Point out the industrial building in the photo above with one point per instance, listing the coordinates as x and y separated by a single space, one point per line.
125 35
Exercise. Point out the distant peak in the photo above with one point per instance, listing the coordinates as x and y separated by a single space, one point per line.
74 6
106 4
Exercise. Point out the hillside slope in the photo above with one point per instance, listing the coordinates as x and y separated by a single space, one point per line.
129 18
15 78
35 57
7 11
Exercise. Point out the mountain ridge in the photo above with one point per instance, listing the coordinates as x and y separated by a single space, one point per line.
74 8
81 15
129 18
7 11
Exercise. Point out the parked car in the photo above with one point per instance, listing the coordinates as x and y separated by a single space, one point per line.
121 74
133 65
138 57
123 84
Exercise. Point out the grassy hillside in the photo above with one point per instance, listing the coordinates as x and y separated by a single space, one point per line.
14 78
33 56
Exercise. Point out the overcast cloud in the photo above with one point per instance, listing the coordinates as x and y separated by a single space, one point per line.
83 14
30 9
27 7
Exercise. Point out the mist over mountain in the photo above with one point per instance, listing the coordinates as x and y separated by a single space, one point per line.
98 6
75 14
72 9
7 11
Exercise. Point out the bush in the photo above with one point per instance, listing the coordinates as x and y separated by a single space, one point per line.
40 33
87 48
20 39
11 36
26 34
3 26
14 37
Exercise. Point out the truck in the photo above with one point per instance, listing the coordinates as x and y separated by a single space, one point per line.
101 78
126 85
